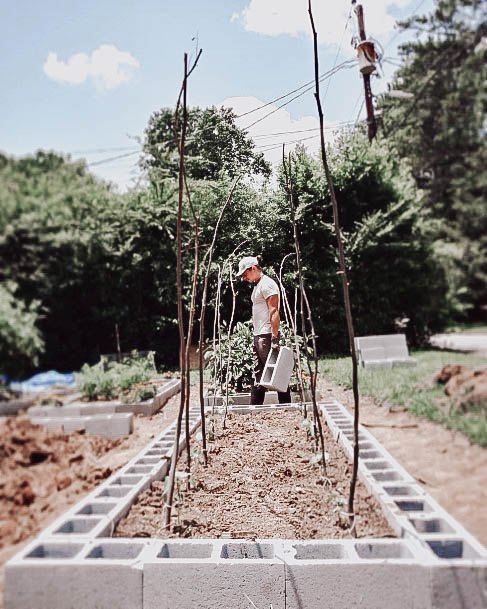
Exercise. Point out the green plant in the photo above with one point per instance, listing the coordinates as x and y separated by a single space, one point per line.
111 379
240 368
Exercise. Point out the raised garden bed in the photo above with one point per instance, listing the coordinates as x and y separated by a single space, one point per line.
261 482
433 563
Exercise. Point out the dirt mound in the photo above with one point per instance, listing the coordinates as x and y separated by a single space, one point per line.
466 386
35 465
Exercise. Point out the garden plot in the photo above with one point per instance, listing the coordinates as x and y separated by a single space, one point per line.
108 418
262 481
435 564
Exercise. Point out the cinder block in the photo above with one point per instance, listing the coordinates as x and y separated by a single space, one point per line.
278 369
458 587
47 580
110 425
356 585
193 583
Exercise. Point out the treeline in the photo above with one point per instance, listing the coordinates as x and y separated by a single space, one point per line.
81 263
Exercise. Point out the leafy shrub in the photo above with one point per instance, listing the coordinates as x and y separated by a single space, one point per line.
111 379
239 367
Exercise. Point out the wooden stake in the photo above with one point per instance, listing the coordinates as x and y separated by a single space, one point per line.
343 274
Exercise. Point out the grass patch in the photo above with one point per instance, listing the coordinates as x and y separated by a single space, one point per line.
414 388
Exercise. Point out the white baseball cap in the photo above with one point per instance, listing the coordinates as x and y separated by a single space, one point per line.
246 263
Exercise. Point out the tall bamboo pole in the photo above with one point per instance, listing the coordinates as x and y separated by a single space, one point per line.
342 272
203 317
179 289
313 374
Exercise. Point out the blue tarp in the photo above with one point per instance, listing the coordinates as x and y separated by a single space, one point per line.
45 380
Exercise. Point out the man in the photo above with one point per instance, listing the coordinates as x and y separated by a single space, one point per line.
265 319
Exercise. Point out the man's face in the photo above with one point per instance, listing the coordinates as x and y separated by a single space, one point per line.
251 274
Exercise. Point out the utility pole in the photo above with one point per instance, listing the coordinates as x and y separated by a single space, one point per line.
368 53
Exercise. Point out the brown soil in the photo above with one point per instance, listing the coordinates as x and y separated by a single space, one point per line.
260 484
466 386
443 461
43 473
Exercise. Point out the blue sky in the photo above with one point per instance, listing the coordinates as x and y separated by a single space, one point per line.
84 77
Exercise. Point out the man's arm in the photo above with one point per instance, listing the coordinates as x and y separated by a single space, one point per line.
273 306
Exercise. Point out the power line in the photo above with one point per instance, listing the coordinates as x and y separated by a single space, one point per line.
307 84
338 51
103 150
414 11
113 158
345 64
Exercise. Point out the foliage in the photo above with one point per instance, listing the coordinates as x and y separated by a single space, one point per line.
215 146
238 368
20 339
413 388
393 269
440 134
112 379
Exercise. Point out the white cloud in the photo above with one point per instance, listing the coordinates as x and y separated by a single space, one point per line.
279 123
275 17
107 67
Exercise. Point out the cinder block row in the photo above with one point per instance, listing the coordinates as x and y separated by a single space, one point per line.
190 574
104 425
150 407
98 513
410 511
81 409
239 399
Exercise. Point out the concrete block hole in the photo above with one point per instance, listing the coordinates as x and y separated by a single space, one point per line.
366 446
404 491
148 461
387 476
319 551
117 551
96 508
452 548
382 550
185 550
139 469
53 550
77 526
247 550
413 505
369 454
115 491
376 464
431 525
124 480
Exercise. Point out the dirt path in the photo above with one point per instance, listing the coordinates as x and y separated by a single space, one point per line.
260 483
447 465
34 493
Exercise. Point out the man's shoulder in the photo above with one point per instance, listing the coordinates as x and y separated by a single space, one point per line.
269 284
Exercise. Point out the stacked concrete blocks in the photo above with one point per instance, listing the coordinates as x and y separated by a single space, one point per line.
191 574
74 563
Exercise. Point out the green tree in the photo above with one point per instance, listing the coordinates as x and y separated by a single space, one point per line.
215 146
20 339
440 133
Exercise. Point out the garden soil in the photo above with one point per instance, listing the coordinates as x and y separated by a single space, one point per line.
260 482
38 489
43 473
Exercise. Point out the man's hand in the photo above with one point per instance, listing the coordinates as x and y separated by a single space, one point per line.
275 342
